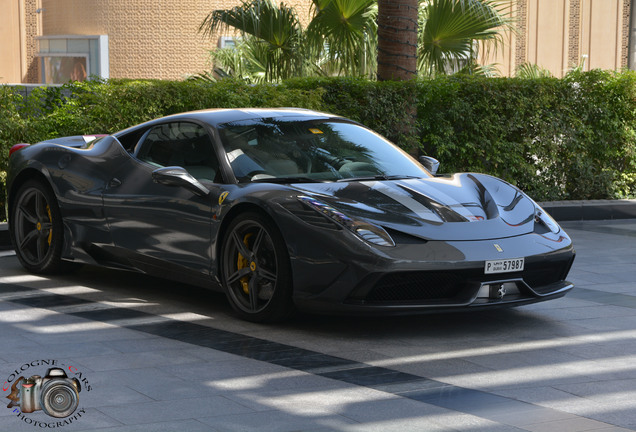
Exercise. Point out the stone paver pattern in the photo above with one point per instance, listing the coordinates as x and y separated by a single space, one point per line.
162 356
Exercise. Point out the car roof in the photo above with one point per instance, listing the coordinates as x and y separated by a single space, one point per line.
219 116
215 117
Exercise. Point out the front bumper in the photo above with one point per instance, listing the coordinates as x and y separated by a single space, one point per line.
439 276
362 309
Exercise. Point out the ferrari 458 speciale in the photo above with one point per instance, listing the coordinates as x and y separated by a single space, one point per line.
283 209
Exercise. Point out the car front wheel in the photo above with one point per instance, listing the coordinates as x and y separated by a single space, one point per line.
255 269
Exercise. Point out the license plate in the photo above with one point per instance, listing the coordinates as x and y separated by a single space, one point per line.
504 266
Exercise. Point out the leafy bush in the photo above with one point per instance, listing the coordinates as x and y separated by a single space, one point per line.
571 138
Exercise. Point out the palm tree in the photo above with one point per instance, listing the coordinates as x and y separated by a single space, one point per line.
397 39
344 35
340 39
452 32
248 60
274 32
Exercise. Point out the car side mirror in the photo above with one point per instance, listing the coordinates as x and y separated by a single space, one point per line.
430 163
177 176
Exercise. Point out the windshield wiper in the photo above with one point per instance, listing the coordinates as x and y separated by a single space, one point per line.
378 177
297 179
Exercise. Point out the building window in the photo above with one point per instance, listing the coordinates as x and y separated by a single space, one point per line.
72 58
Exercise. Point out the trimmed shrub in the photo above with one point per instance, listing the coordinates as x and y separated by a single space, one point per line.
571 138
557 139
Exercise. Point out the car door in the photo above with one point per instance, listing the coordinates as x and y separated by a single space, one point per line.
162 228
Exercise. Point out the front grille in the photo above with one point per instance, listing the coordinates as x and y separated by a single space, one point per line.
540 275
418 286
435 287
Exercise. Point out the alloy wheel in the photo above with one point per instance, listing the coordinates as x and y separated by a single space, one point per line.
33 226
250 266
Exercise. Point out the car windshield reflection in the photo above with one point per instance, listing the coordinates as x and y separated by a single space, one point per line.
298 151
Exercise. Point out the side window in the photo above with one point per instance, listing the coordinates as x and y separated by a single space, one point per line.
183 144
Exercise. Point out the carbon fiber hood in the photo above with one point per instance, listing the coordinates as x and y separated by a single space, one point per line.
459 207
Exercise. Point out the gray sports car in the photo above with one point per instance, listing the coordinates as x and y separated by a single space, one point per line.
283 209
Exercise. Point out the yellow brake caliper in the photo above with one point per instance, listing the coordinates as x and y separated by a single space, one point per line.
48 210
242 263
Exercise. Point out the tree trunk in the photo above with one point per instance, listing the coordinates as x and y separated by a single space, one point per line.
397 39
397 59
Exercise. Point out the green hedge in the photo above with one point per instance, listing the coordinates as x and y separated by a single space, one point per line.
557 139
571 138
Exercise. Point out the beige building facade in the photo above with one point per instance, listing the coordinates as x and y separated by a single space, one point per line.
19 26
143 38
43 40
558 35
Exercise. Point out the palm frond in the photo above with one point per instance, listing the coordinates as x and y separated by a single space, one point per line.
532 71
347 31
206 77
277 27
476 69
449 29
247 60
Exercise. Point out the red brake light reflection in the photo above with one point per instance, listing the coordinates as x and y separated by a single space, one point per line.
17 147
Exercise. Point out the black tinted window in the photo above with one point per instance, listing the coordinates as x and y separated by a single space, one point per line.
325 150
183 144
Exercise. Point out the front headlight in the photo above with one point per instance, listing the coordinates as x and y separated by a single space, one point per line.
366 231
541 217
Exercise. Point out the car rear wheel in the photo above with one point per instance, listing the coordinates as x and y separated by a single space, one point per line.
36 228
255 269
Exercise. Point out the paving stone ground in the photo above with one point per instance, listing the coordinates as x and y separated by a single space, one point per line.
160 356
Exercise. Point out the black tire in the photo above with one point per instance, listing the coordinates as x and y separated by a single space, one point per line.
37 229
255 269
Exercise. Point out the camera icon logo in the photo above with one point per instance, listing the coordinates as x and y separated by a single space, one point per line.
56 394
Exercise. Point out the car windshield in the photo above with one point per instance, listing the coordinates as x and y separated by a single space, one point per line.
297 150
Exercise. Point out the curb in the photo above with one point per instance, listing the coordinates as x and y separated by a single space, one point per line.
590 210
560 210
